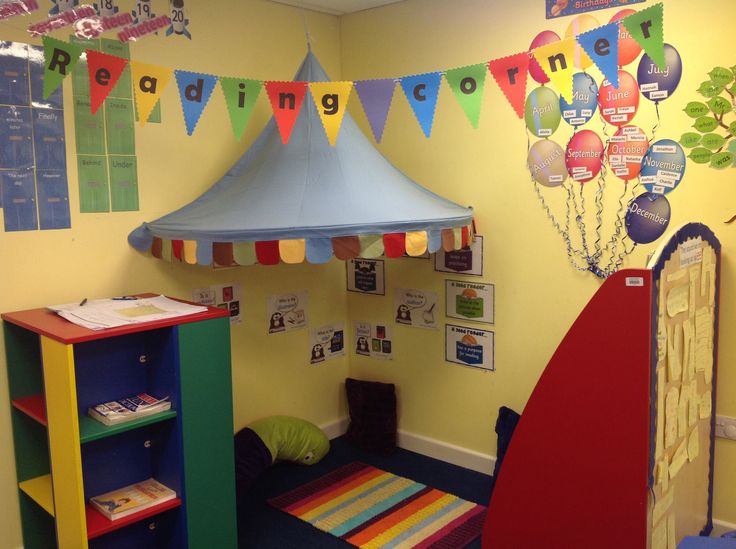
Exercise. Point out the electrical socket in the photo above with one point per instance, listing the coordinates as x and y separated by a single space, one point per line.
726 427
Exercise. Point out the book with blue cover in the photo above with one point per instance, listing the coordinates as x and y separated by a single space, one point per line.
129 408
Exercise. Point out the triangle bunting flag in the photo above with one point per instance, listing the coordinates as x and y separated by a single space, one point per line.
647 28
556 60
195 90
104 72
286 101
510 73
59 60
601 45
467 85
422 91
240 98
375 96
331 100
149 82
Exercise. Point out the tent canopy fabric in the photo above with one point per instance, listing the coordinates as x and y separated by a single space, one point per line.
307 189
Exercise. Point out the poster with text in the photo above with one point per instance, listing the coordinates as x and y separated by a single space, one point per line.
470 300
416 308
224 296
326 342
286 312
365 276
469 346
561 8
373 340
467 261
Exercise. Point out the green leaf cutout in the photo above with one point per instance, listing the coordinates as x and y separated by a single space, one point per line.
705 124
719 105
721 75
709 89
713 141
721 160
732 146
690 139
700 155
732 129
695 109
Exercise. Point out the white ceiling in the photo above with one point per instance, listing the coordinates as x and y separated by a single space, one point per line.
337 7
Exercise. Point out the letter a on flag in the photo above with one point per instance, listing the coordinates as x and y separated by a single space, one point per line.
149 82
556 60
104 72
510 74
286 101
331 100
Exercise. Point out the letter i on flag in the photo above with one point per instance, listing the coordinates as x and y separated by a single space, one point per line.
556 60
286 101
646 27
467 85
240 98
104 72
422 91
195 90
510 74
149 82
375 96
59 60
331 100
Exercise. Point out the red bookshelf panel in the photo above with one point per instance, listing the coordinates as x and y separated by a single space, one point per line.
98 524
33 406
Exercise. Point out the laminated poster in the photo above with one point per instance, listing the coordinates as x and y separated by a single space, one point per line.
373 340
470 300
469 346
224 296
326 342
286 312
365 276
468 261
415 308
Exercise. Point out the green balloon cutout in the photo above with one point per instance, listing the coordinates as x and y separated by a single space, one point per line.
542 112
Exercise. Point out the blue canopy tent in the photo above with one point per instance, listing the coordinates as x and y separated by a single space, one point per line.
308 199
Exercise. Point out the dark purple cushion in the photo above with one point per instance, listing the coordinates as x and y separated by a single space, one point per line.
372 407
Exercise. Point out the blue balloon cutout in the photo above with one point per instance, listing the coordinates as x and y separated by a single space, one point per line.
662 167
657 84
584 100
647 217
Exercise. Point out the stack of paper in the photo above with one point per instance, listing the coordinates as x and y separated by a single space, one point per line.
99 314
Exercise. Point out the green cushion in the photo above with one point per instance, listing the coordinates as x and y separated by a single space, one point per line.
292 439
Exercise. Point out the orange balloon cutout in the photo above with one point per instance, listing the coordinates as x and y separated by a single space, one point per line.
579 25
628 48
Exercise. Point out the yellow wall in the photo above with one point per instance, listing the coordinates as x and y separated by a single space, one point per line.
538 293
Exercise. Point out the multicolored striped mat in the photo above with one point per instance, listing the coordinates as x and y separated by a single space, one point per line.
371 508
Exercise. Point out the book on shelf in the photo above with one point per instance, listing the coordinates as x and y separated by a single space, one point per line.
126 409
132 499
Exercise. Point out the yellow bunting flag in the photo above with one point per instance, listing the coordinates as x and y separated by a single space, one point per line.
149 82
416 241
292 251
190 252
556 60
331 100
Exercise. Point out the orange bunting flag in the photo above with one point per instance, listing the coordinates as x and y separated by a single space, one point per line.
510 74
286 101
331 100
556 60
149 82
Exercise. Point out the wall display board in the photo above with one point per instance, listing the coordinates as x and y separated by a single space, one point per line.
469 346
365 276
467 261
470 300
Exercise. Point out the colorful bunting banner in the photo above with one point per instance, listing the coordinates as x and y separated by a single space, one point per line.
240 98
59 60
601 45
422 91
556 60
104 72
149 82
375 96
511 74
647 28
195 90
467 85
331 100
286 101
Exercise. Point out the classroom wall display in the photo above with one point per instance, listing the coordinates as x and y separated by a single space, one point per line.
467 261
326 342
224 296
561 8
33 178
469 346
416 308
470 301
373 340
365 276
287 312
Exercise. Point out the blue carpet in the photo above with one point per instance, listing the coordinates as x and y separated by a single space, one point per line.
260 526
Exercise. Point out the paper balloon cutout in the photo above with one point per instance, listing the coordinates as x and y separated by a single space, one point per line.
546 163
647 217
663 167
656 84
584 156
535 70
542 112
628 48
579 25
584 100
619 105
626 149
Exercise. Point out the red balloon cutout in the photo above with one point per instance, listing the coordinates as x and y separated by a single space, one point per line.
626 149
584 156
535 70
619 105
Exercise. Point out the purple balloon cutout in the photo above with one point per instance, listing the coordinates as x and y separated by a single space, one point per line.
657 84
647 217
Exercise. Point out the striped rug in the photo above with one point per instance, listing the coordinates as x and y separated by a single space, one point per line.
371 508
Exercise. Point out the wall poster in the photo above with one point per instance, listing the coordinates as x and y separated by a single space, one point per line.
326 342
287 312
467 261
373 340
365 276
469 346
470 300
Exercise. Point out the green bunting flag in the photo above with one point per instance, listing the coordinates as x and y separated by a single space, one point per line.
647 28
467 85
240 97
59 60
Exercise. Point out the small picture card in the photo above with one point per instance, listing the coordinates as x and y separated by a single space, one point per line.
467 261
326 342
365 276
415 308
469 346
373 340
470 300
224 296
286 312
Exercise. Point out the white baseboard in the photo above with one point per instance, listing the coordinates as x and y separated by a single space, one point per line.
431 447
721 527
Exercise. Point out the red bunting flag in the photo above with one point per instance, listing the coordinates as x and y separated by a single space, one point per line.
104 72
286 101
511 74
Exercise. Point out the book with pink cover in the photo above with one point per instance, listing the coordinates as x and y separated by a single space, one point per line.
132 499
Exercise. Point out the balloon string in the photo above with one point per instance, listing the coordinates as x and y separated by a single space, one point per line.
599 212
612 245
656 126
572 207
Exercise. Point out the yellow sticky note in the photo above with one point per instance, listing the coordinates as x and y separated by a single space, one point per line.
671 533
662 505
693 404
659 536
679 458
674 347
682 408
678 300
693 445
659 443
706 405
670 416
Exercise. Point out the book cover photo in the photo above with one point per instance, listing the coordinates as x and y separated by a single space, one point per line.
132 499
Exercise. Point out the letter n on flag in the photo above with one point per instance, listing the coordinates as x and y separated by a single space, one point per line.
104 72
286 101
511 74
